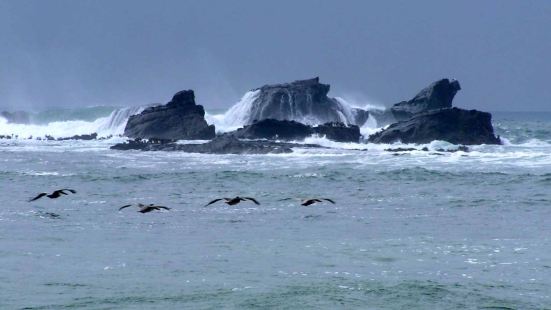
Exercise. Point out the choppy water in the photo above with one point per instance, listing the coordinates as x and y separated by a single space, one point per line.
418 230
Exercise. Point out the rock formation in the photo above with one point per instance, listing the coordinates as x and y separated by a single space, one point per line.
179 119
225 144
339 132
437 95
304 101
273 129
453 125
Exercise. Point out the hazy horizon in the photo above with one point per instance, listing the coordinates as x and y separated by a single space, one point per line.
87 53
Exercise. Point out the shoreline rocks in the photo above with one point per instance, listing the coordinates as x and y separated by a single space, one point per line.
273 129
225 144
454 125
304 101
438 95
179 119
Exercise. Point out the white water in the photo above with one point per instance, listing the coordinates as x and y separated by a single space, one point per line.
105 126
238 115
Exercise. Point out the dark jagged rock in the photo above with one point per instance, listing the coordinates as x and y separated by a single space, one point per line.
92 136
454 125
225 144
437 95
303 101
17 117
339 132
179 119
273 129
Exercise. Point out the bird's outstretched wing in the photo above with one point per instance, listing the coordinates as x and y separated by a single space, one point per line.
58 193
330 200
285 199
252 199
162 207
126 206
68 189
38 196
215 200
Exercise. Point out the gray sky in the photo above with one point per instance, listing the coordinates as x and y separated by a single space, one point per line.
67 53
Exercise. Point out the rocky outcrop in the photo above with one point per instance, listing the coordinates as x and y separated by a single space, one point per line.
17 117
453 125
438 95
92 136
304 101
225 144
339 132
273 129
179 119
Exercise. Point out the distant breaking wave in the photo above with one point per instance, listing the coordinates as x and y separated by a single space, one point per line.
239 113
113 124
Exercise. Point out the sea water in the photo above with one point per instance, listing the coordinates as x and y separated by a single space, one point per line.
409 230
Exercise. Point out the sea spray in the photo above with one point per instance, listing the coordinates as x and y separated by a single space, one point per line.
236 116
104 126
239 114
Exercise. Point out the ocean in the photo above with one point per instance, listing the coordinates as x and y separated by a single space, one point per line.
409 230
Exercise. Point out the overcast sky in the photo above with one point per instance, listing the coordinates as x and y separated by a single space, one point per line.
82 53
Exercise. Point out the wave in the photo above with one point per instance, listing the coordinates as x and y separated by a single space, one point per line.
110 125
236 116
239 114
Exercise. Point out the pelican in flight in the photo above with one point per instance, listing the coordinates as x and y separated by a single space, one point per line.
311 201
55 194
234 201
146 208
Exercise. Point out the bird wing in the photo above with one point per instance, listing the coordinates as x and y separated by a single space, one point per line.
38 196
58 193
162 207
330 200
252 199
126 206
215 200
70 190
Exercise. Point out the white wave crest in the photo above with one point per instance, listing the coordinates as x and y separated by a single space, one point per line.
236 116
105 126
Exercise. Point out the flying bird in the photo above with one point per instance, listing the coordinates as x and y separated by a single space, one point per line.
234 201
146 208
311 201
55 194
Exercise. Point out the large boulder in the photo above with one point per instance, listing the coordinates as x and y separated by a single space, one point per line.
179 119
17 117
273 129
339 132
438 95
454 125
303 101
